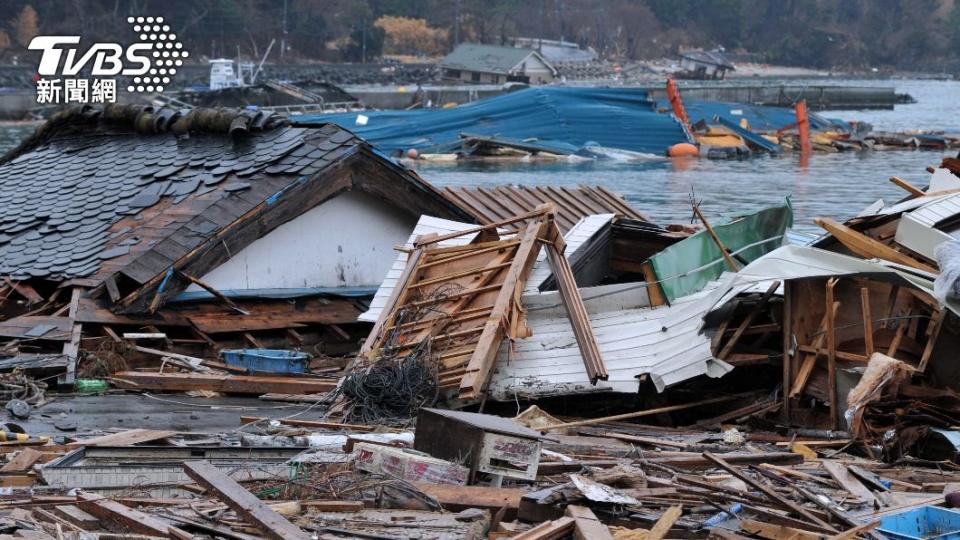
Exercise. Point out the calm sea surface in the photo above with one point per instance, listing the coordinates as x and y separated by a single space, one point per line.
837 185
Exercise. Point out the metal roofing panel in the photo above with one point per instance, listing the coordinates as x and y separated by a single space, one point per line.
664 342
489 205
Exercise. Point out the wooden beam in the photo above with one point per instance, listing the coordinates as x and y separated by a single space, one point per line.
243 502
662 527
236 384
310 423
129 437
869 248
576 311
217 294
907 186
453 497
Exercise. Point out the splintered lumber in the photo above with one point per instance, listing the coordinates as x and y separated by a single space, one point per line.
869 248
769 492
548 530
662 526
773 531
586 526
638 414
129 437
243 502
126 519
231 384
76 516
933 333
576 311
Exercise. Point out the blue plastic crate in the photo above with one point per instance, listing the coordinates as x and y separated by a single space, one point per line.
926 523
267 360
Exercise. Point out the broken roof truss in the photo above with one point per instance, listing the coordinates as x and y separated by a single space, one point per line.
458 303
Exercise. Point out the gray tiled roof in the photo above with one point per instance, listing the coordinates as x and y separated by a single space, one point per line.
484 58
98 185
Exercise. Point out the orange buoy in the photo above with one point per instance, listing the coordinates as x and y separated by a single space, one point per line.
412 153
683 150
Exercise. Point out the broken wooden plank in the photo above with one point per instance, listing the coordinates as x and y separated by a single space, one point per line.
236 384
847 481
129 437
666 521
586 526
126 519
310 423
453 497
23 461
867 321
78 517
548 530
243 502
869 248
832 355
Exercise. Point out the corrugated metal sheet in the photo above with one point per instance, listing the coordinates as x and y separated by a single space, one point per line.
489 205
575 238
622 118
664 342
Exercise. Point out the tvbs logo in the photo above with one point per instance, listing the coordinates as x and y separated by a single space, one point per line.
150 62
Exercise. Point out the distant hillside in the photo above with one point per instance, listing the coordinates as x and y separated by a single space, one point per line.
826 34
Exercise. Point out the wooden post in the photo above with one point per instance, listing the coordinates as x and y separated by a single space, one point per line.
867 321
787 346
832 354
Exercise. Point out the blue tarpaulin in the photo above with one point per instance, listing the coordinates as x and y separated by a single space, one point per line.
621 118
760 117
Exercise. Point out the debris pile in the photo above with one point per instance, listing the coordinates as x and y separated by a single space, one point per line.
536 362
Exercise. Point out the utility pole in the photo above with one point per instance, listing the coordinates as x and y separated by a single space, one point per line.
283 39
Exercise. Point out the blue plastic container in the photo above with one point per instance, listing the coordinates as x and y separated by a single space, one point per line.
926 523
266 360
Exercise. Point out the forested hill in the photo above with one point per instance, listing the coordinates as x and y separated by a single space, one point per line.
829 34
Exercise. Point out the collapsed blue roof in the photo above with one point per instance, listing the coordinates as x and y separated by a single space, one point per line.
760 117
621 118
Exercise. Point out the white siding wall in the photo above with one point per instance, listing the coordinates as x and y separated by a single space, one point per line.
347 241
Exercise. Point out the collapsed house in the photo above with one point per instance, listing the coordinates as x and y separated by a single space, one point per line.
216 228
